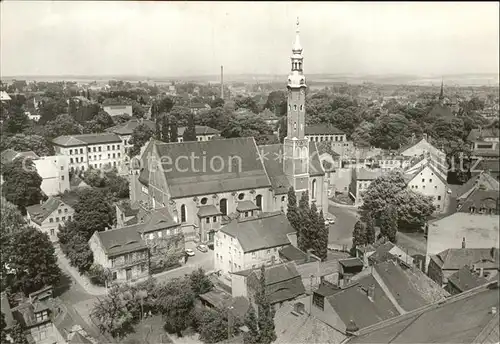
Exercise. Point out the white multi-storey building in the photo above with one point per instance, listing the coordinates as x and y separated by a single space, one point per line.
90 150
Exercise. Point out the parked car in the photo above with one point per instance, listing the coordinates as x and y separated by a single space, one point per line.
202 248
331 220
189 252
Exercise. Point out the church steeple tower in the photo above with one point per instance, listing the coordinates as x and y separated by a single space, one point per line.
296 146
441 93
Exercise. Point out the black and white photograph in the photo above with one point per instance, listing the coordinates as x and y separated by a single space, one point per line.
212 172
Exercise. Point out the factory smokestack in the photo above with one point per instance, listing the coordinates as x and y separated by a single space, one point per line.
222 82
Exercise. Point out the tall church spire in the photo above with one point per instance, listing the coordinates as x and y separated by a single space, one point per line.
297 48
441 93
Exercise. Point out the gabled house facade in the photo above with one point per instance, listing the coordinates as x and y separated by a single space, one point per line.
49 215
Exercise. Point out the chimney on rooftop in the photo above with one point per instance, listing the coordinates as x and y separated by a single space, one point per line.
463 242
425 137
481 272
371 292
493 310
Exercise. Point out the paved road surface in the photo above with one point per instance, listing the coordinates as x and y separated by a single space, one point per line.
341 231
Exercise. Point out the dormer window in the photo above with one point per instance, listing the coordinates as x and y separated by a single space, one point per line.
472 210
295 107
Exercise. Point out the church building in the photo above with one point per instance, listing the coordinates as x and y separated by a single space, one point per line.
206 184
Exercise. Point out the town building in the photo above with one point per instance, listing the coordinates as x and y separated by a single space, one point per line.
474 225
464 279
125 130
483 181
33 117
198 107
135 251
4 97
441 109
90 150
225 172
389 289
49 215
321 133
54 170
119 109
423 148
360 181
248 242
485 261
283 283
470 317
484 143
37 316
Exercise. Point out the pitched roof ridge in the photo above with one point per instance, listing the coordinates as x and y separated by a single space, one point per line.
421 310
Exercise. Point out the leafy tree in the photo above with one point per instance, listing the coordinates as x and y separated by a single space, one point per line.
282 128
165 127
94 178
413 210
212 326
247 125
391 131
217 102
217 118
141 134
22 183
292 212
32 256
51 107
99 123
121 119
276 102
265 311
17 122
250 321
190 131
3 325
200 283
99 275
112 313
137 110
24 143
247 103
389 223
173 130
93 212
117 185
321 238
165 105
382 192
181 115
361 136
18 335
305 223
175 301
74 245
62 125
370 228
359 234
11 219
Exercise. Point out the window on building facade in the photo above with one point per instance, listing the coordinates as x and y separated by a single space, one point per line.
204 200
81 150
70 160
183 213
113 147
57 219
63 218
52 231
214 219
439 198
108 148
430 180
51 220
319 301
100 149
70 151
207 220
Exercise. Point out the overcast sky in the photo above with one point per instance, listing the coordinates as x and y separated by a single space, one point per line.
183 39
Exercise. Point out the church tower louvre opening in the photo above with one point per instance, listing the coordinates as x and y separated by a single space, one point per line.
296 146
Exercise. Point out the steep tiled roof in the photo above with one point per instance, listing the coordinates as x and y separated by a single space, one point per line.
241 167
457 258
39 212
322 129
463 318
122 240
292 253
208 210
484 179
86 139
352 303
283 282
480 134
267 231
465 279
409 286
479 198
246 206
128 127
274 167
200 130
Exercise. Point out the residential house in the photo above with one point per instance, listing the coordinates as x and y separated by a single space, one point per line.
475 223
483 181
380 252
389 162
390 289
320 133
470 317
247 243
53 170
37 316
423 147
283 283
203 133
349 267
223 301
430 181
360 181
49 215
484 143
446 263
4 97
119 109
90 150
33 117
198 107
464 279
132 252
490 166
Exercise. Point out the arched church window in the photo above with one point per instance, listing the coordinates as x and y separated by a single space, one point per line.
295 107
289 107
301 107
282 198
183 213
294 125
313 189
300 65
223 206
258 201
